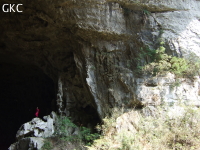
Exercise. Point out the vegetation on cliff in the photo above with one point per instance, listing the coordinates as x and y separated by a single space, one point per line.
157 62
67 132
160 129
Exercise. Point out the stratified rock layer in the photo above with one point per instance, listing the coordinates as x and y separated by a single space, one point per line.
88 47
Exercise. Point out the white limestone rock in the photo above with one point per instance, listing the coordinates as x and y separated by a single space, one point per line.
125 123
153 91
37 127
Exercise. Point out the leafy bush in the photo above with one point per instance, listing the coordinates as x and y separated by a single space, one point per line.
64 128
163 63
87 136
194 66
178 65
162 130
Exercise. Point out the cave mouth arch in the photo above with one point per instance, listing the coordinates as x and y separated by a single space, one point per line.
23 87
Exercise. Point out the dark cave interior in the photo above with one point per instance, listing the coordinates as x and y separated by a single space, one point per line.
23 87
33 53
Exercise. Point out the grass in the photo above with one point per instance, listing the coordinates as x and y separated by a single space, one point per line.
159 129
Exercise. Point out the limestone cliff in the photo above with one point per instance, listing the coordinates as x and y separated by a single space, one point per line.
88 48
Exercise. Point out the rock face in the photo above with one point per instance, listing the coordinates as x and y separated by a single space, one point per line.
37 127
31 135
124 122
155 90
29 143
89 48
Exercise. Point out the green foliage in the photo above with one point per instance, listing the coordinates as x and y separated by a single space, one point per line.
194 66
47 145
164 129
146 12
178 65
87 136
163 63
64 125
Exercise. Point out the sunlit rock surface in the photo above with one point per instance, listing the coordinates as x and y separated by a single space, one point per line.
31 135
88 48
156 90
37 127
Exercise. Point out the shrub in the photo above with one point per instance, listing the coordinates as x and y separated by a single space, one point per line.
194 66
178 65
163 130
164 63
64 128
87 136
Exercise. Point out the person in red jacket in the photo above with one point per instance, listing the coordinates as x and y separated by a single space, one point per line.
37 112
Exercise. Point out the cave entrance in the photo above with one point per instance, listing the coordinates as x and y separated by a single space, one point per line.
23 87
